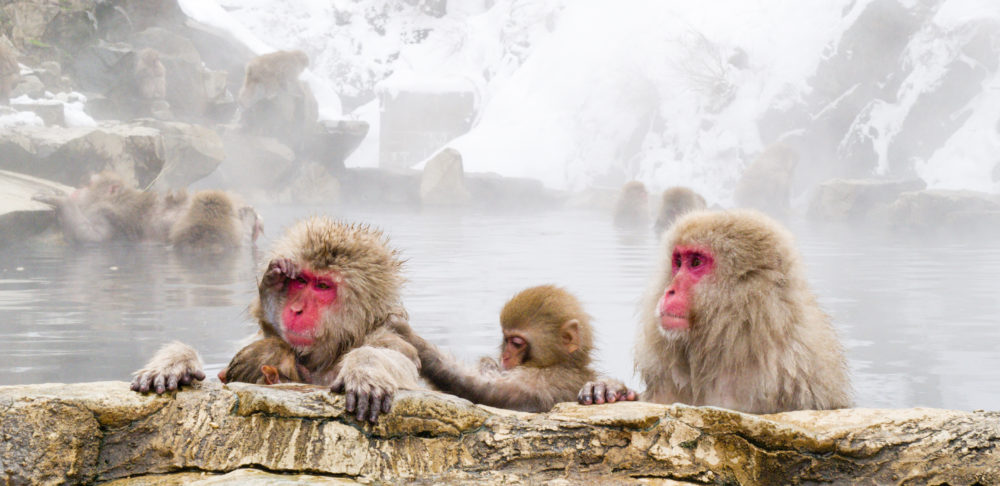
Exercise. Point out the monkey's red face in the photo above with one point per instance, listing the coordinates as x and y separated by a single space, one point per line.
309 297
689 264
515 350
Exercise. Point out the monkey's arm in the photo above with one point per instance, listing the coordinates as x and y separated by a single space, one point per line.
605 390
370 375
174 365
525 389
90 227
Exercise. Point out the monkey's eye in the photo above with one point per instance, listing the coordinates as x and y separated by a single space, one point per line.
677 260
517 342
301 280
323 286
696 261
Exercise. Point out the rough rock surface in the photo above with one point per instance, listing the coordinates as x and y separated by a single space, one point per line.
843 200
443 180
239 434
20 216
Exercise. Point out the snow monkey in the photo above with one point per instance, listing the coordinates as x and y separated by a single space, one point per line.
730 321
544 357
766 183
267 361
270 74
632 206
150 75
328 292
675 202
108 209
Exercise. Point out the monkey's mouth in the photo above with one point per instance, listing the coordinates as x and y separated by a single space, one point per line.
297 339
671 322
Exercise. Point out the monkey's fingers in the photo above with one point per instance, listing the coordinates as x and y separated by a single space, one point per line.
159 384
600 393
376 406
141 383
350 400
586 395
387 403
362 411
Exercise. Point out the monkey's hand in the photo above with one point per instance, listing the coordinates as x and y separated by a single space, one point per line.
369 378
53 199
488 366
279 271
174 365
605 390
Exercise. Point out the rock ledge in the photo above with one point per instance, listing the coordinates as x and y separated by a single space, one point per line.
245 434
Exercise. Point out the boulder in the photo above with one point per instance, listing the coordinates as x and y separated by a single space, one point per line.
443 180
190 152
254 162
945 212
29 85
97 432
50 111
70 155
852 200
20 216
334 141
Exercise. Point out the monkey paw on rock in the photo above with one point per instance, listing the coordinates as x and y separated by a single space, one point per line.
367 392
173 366
605 390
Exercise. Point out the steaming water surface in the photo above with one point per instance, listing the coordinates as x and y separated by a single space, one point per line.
918 318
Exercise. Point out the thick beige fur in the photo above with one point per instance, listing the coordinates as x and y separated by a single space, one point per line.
758 341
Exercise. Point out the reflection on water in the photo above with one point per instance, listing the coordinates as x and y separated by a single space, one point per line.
919 320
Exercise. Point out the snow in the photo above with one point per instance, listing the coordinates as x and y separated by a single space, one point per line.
20 119
589 93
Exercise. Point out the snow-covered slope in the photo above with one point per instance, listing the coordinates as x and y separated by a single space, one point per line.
593 93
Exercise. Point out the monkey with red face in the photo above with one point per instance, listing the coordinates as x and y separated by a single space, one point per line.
730 321
328 293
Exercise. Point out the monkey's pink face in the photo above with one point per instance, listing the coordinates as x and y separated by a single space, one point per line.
515 350
688 265
310 296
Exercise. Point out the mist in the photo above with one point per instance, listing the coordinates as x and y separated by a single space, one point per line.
489 139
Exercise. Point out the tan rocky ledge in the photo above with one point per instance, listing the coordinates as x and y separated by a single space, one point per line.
90 433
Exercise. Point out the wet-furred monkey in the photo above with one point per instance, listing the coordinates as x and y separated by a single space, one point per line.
675 202
266 361
632 206
328 292
730 321
544 357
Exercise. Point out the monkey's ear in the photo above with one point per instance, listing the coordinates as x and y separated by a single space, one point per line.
270 374
569 334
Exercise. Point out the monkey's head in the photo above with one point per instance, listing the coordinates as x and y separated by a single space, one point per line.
717 261
346 282
267 361
634 191
102 186
544 326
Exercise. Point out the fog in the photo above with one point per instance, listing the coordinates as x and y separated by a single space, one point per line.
890 109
